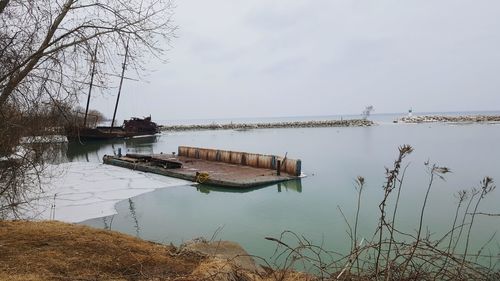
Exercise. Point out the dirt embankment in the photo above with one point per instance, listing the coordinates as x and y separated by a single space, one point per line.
34 251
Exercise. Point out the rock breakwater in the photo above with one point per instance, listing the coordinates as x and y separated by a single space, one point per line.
249 126
451 119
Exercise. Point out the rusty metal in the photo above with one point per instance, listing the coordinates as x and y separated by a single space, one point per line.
289 166
130 128
215 173
140 125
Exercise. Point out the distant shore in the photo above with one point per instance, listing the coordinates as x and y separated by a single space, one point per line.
249 126
450 119
332 123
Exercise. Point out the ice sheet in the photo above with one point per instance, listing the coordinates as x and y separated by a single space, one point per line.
78 191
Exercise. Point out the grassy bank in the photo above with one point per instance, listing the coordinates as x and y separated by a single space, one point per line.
50 250
59 251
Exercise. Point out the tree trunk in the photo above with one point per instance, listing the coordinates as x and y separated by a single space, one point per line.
9 88
3 4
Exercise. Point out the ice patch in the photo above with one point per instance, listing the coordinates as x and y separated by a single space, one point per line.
80 191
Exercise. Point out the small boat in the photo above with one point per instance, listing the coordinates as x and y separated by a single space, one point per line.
131 128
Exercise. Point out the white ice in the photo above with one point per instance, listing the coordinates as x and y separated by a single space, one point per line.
78 191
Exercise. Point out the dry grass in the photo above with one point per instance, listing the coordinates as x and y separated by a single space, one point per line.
59 251
49 250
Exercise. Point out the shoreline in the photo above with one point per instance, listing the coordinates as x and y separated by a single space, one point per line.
46 250
249 126
464 119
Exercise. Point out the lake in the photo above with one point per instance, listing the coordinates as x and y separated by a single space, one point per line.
332 158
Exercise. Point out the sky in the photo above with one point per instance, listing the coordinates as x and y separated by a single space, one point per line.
263 58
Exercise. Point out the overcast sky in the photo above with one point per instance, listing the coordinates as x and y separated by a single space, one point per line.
263 58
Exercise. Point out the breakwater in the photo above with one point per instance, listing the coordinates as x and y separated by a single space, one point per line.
451 119
249 126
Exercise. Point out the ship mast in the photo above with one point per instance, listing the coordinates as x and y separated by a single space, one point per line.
94 58
124 66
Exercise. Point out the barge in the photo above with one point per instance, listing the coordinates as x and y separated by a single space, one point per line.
214 167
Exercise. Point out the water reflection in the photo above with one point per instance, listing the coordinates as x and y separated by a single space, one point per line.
142 142
108 222
291 185
90 150
131 208
95 150
140 215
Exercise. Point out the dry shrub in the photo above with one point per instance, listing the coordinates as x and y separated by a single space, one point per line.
392 254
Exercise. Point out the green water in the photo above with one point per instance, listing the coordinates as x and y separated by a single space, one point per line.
331 158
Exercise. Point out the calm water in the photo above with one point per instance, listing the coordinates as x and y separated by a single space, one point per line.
331 158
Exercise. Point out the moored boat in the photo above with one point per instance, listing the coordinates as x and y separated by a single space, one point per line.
131 128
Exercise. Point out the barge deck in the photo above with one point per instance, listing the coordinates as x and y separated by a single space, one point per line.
212 172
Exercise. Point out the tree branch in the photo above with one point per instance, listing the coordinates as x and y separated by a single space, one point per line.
15 79
3 5
485 214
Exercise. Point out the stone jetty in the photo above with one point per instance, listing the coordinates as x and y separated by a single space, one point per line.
450 119
249 126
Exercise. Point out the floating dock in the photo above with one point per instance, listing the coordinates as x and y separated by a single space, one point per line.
214 167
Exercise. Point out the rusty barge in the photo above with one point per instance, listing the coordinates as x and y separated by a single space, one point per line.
131 128
214 167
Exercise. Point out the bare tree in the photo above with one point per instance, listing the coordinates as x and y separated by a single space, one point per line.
367 111
46 48
47 43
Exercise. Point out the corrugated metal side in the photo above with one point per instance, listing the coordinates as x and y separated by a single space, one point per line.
192 152
266 161
225 156
182 151
252 160
289 166
244 157
236 157
292 167
203 153
212 155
